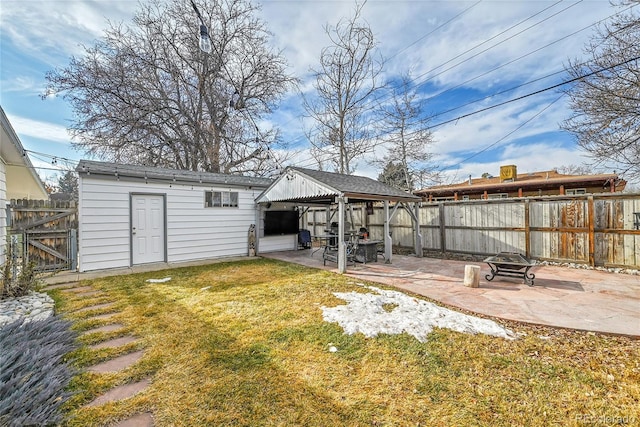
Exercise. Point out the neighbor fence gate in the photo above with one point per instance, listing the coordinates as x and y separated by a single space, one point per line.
48 233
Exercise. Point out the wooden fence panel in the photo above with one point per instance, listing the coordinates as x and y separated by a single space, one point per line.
560 228
617 240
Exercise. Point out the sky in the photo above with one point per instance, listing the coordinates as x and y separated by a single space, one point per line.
456 51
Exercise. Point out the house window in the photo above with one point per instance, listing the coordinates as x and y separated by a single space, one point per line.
498 196
574 191
221 199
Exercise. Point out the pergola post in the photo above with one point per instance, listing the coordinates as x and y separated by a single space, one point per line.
342 247
388 242
418 239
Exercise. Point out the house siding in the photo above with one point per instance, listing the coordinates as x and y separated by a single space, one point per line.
3 212
192 231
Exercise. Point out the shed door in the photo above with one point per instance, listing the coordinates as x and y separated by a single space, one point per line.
147 228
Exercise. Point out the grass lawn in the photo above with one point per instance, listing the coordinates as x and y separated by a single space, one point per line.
244 344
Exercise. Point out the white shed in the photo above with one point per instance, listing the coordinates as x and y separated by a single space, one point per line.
130 215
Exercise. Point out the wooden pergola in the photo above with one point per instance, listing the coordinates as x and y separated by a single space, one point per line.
309 188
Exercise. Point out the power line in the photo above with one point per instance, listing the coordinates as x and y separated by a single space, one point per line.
519 98
491 47
507 135
435 29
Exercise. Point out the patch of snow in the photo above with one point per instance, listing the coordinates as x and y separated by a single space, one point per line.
365 313
166 279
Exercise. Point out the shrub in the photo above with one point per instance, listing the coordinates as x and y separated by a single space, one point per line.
33 371
20 284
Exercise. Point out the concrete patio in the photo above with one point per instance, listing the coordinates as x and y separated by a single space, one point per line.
581 299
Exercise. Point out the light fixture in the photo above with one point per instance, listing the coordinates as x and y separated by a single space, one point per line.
205 40
233 102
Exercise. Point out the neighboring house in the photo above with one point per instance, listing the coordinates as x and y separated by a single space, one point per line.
512 184
18 178
130 215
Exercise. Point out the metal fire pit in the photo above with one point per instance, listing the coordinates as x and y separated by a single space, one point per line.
510 264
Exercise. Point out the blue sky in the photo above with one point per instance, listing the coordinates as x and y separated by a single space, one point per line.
492 46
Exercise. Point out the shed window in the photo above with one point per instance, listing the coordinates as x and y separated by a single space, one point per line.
221 199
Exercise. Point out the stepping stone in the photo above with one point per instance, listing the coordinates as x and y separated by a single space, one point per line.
102 316
79 290
106 328
88 294
95 307
117 364
60 286
139 420
121 392
116 342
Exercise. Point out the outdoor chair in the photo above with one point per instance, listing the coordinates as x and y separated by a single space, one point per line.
304 239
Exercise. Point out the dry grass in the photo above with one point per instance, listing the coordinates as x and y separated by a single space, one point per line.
244 343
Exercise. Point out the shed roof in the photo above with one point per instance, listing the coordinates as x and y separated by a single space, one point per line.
308 186
116 170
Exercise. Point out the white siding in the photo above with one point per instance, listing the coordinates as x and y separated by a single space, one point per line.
3 212
278 243
193 231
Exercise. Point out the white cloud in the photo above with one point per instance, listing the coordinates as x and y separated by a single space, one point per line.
38 129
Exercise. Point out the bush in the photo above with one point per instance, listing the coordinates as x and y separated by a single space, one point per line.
19 285
33 371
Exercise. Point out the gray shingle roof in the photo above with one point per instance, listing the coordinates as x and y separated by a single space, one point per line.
155 173
327 185
354 184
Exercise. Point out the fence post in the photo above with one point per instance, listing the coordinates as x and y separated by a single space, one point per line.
73 249
443 228
591 217
13 249
527 229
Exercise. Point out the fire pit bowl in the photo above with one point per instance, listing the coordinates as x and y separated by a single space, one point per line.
510 264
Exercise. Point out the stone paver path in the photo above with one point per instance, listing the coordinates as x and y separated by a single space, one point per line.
116 342
95 307
60 286
116 364
139 420
121 392
78 289
106 328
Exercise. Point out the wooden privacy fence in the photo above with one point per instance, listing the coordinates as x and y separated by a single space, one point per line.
48 230
598 230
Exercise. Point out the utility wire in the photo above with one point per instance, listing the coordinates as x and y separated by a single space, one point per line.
491 47
507 135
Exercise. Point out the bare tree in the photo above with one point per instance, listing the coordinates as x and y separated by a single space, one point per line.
146 94
606 104
346 81
404 130
574 169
